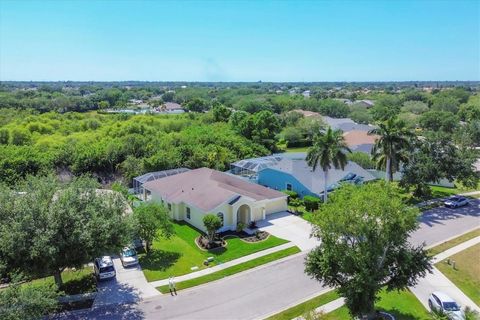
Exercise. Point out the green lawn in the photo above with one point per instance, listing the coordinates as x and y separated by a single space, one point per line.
299 149
466 275
403 305
177 255
232 270
454 242
74 282
305 307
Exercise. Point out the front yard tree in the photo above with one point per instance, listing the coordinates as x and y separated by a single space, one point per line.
48 227
27 302
212 223
329 149
151 222
364 233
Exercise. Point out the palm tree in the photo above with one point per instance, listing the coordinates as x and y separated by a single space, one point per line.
328 149
391 146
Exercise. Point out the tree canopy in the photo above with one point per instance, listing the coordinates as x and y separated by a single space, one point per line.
364 233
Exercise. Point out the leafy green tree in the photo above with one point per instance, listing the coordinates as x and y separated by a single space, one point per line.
470 110
439 121
19 137
329 149
361 115
221 113
416 107
4 136
49 227
212 223
389 149
363 159
386 107
197 105
27 302
103 104
152 221
265 126
363 257
446 103
438 157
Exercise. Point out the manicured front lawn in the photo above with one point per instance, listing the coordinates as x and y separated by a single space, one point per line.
454 242
74 282
403 305
466 275
305 307
177 255
232 270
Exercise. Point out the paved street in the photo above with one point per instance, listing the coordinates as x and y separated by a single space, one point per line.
259 292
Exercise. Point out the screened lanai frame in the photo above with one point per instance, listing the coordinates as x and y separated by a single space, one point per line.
150 176
251 167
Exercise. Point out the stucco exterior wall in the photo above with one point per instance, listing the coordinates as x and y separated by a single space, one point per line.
278 180
276 205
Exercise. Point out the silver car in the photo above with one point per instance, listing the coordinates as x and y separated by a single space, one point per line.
103 268
456 202
441 302
128 256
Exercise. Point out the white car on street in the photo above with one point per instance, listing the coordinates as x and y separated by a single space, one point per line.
456 202
441 302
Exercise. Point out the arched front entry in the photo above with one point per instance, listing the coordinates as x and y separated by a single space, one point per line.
244 214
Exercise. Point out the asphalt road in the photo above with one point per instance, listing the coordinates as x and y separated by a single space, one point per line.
255 294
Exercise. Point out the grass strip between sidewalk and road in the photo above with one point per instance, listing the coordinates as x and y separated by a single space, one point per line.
233 269
453 242
466 275
302 308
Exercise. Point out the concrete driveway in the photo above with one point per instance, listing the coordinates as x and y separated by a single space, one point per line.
129 286
290 227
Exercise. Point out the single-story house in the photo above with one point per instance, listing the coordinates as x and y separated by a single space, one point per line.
360 140
192 194
296 175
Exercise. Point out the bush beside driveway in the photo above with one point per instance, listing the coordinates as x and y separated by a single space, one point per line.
177 255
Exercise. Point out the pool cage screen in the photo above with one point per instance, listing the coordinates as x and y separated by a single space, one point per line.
140 180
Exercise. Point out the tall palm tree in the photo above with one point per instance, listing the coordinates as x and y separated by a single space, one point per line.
328 149
391 146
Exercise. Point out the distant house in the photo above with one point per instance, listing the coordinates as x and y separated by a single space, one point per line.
306 94
170 107
360 140
364 103
135 101
306 113
192 194
296 175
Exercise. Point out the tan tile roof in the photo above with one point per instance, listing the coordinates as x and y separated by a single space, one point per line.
206 189
358 137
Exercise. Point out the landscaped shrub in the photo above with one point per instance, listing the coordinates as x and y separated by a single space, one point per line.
240 226
311 203
291 195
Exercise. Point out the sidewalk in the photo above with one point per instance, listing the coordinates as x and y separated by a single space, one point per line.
326 308
437 281
222 266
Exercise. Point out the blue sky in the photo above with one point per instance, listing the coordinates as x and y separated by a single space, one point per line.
240 40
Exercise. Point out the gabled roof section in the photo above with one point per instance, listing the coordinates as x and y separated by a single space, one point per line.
206 189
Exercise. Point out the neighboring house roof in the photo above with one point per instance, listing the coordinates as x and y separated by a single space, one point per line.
172 106
307 113
346 124
357 137
314 180
206 189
